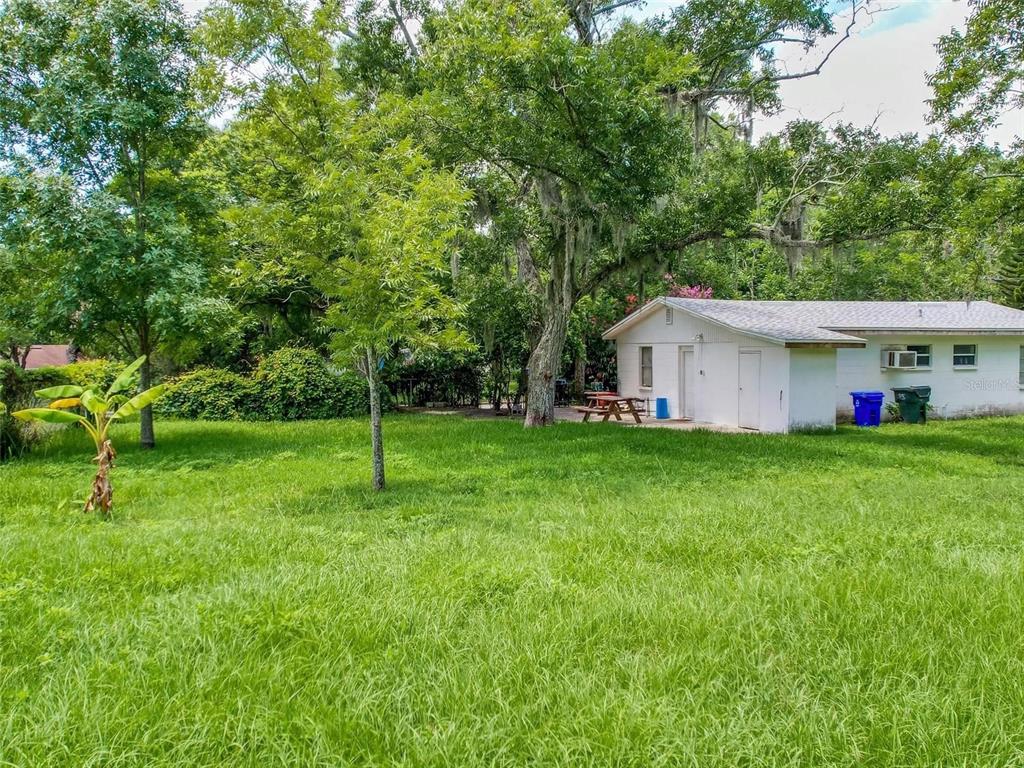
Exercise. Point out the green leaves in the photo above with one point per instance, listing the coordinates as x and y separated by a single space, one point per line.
48 415
981 73
126 378
60 392
139 402
94 403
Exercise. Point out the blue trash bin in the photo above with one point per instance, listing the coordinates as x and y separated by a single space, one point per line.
661 408
867 408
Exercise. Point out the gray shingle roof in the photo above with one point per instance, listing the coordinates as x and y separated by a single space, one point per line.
840 321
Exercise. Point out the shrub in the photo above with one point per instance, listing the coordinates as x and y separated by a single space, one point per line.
298 384
14 436
19 385
288 385
16 391
209 393
87 373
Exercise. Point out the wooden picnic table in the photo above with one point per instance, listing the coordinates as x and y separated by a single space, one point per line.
608 404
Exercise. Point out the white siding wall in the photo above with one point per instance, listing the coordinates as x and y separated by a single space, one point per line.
716 357
811 375
806 387
994 387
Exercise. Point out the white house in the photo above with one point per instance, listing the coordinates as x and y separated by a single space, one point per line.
774 366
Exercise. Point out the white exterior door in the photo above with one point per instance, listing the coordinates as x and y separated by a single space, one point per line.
750 389
687 383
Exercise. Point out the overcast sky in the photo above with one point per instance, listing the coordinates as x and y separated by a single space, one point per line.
880 71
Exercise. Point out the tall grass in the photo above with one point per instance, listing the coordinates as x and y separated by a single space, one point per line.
582 595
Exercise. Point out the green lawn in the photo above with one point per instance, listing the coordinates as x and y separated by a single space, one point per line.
583 595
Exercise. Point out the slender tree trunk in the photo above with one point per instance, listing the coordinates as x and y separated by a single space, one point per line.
579 380
376 433
147 439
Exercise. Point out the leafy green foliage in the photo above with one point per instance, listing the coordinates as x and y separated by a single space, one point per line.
99 372
1010 275
500 315
290 384
13 438
981 72
452 377
298 384
344 201
103 91
210 394
30 260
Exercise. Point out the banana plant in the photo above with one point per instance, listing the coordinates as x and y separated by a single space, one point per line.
95 410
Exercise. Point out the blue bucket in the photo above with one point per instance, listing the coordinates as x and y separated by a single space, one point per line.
661 408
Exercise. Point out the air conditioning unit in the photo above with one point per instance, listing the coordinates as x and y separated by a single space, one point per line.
899 358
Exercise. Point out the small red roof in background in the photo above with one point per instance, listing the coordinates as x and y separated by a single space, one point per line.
44 355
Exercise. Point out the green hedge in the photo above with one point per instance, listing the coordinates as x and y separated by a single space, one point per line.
288 385
208 393
298 384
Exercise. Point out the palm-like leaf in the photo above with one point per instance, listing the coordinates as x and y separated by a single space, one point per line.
93 402
48 415
67 402
125 378
62 391
139 402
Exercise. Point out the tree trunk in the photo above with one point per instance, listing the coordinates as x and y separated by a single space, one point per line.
545 361
147 438
579 379
102 495
376 434
546 357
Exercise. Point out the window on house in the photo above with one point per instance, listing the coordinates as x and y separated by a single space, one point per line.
1020 379
965 355
924 354
646 366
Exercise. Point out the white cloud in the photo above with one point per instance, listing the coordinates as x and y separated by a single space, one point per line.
881 71
878 75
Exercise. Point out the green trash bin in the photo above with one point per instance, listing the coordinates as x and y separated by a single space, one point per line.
913 403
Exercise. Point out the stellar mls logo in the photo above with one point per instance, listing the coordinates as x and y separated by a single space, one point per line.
991 385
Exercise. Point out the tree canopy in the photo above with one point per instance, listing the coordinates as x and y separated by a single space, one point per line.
374 179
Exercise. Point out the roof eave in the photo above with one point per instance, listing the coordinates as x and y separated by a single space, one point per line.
931 331
647 308
818 344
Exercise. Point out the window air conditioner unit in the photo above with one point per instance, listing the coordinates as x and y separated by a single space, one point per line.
899 358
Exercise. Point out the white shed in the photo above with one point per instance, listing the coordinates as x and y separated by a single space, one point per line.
776 366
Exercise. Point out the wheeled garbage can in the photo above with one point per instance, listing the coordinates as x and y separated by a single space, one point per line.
913 403
867 408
